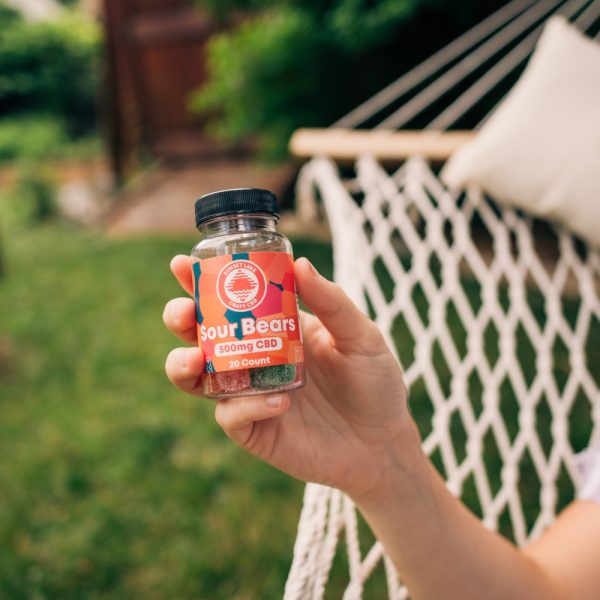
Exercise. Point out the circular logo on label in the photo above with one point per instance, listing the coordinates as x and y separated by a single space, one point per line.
241 285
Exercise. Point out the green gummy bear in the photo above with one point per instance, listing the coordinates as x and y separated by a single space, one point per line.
272 377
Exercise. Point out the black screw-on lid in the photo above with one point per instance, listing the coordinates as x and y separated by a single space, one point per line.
229 202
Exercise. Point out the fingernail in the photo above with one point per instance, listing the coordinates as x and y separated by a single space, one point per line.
274 401
182 357
176 311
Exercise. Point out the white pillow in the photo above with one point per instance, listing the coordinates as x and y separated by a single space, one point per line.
540 150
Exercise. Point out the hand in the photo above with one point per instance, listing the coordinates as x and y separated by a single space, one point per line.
347 426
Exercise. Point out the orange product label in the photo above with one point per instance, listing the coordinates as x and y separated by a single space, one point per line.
246 311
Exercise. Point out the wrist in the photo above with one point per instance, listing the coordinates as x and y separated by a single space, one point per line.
403 471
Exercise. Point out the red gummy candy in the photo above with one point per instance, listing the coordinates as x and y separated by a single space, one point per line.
228 381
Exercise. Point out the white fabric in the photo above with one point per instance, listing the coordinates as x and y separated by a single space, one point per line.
398 224
540 150
588 463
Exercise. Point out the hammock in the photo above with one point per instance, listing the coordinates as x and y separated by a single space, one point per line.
466 292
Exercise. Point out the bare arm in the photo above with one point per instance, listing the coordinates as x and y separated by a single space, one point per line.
569 551
350 428
442 551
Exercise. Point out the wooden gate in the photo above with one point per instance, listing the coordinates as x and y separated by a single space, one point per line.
156 57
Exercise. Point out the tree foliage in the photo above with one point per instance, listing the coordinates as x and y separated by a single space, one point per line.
49 67
294 63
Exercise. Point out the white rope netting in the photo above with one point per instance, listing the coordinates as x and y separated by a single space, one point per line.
496 322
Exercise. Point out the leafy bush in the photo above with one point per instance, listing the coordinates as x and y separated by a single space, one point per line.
50 67
307 62
31 200
8 15
30 137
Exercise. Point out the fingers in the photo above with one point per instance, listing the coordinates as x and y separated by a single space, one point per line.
348 326
308 323
181 267
184 368
237 415
180 317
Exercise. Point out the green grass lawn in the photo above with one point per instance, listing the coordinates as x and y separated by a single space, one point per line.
112 483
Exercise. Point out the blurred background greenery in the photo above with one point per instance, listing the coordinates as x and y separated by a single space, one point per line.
49 84
113 484
306 63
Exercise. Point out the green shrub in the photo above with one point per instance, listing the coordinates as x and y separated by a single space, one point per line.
308 62
50 67
31 200
30 137
242 89
8 15
27 138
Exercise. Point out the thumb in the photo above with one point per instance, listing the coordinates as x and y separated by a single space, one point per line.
348 326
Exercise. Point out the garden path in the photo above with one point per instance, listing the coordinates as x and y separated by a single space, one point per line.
162 201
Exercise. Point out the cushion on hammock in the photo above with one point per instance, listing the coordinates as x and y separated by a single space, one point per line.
540 150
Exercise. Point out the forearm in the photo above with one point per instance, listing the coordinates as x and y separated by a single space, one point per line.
439 548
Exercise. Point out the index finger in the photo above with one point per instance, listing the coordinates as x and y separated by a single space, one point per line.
181 267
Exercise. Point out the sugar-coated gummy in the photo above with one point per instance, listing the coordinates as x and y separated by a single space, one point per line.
272 377
228 382
233 381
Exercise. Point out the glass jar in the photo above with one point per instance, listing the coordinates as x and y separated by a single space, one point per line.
245 295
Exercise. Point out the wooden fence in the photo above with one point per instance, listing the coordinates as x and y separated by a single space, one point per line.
156 56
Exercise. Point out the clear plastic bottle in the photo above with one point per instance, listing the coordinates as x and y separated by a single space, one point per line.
245 296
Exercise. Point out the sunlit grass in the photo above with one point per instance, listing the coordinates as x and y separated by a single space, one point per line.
112 483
